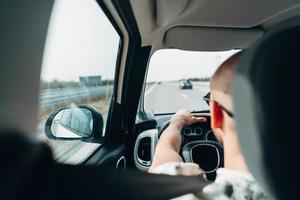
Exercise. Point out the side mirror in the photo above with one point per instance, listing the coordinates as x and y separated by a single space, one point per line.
75 123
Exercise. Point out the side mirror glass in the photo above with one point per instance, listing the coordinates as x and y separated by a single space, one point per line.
72 123
75 123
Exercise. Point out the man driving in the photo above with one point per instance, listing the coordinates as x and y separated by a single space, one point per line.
234 180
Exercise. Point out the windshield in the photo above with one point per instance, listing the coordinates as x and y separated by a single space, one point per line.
179 79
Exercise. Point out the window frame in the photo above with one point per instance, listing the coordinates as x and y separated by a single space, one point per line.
74 155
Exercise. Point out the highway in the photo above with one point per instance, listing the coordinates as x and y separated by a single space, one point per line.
167 97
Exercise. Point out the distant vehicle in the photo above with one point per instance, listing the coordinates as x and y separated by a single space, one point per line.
186 84
159 82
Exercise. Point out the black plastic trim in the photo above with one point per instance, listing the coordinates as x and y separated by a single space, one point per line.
134 75
114 108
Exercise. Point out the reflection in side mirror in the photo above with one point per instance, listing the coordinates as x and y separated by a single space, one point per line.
71 123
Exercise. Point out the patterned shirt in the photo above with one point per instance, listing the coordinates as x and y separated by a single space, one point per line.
229 184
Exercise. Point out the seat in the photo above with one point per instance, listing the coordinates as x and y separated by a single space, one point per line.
265 103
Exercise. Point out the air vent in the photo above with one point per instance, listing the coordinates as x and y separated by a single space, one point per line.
144 151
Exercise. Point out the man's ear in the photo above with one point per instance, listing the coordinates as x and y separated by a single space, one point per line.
217 117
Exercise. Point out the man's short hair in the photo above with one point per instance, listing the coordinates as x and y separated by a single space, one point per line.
223 76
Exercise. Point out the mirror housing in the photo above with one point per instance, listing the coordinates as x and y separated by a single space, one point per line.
75 123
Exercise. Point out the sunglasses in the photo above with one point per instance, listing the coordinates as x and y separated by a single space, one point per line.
207 99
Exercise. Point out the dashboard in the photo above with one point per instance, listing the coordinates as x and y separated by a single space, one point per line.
196 132
199 145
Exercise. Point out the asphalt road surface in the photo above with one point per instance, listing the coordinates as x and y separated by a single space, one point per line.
167 97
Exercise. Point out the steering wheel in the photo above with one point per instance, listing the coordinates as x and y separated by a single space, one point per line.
208 154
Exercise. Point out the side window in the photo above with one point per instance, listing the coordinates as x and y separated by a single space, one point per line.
79 63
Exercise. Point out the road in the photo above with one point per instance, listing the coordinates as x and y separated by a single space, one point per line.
167 97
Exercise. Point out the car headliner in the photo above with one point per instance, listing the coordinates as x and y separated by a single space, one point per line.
208 25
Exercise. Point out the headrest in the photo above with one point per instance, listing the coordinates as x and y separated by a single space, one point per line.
23 32
265 105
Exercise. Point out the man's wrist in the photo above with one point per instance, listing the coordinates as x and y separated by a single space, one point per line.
172 136
176 125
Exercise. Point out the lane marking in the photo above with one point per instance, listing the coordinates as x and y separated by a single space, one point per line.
150 89
184 95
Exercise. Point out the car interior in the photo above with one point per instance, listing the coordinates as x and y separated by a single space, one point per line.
126 137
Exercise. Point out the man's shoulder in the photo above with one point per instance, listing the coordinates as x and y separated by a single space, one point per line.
229 184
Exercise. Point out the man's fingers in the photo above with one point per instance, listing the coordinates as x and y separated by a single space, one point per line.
199 119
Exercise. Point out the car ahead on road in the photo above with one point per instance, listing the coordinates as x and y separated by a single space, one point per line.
186 84
46 47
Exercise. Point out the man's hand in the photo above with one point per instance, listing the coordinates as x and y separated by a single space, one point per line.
168 146
184 118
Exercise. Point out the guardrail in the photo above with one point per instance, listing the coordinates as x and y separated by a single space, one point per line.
51 97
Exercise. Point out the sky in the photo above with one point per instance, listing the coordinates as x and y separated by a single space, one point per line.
174 64
82 42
